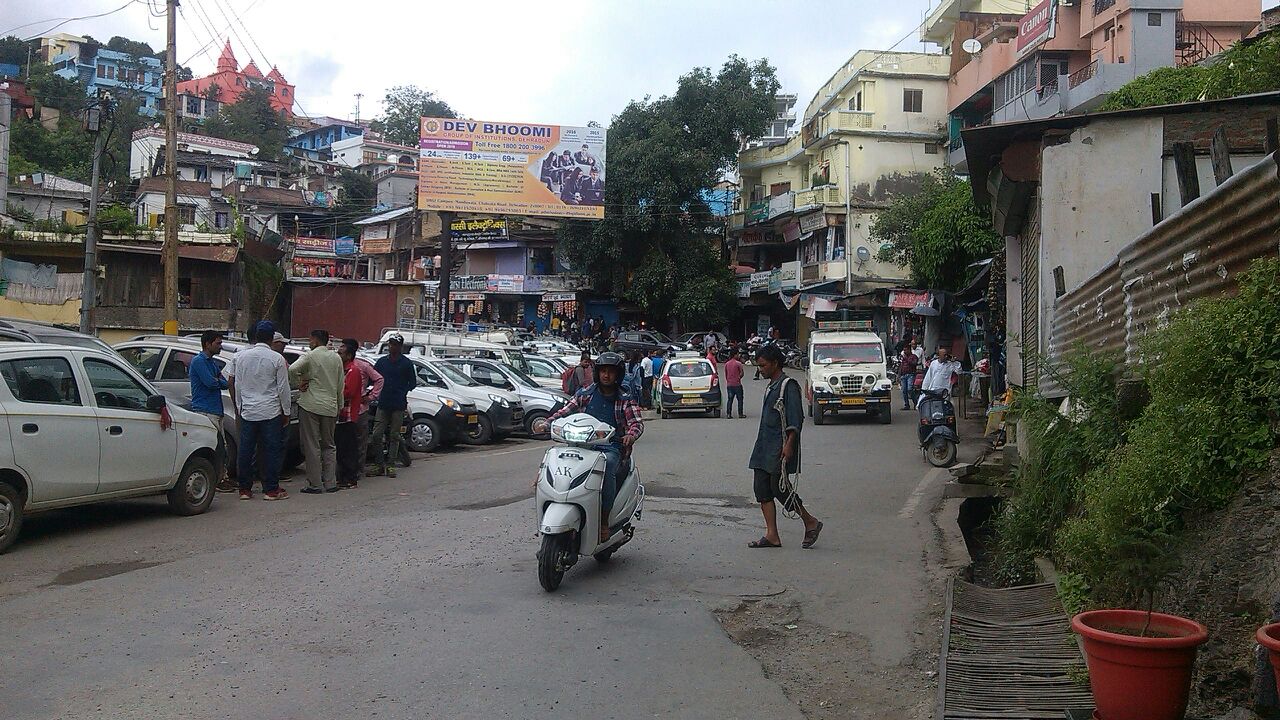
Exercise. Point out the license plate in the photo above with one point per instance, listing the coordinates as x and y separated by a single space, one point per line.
853 401
473 419
690 401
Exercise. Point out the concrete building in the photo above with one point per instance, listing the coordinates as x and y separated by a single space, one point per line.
371 156
1067 193
46 196
783 125
879 120
1061 58
228 81
316 142
147 149
397 188
102 70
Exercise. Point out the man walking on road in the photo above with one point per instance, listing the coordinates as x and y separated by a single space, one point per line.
259 388
908 364
319 376
646 375
777 451
398 378
733 372
207 385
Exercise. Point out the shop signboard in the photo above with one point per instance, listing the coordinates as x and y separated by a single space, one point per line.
484 167
375 246
467 296
408 308
749 239
779 204
759 280
791 231
789 275
559 297
812 221
757 212
344 246
479 229
505 284
313 244
908 299
1037 26
744 288
469 282
314 267
775 281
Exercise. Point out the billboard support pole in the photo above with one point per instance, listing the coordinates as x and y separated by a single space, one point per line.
446 264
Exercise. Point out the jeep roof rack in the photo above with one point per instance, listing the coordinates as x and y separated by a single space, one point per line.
864 325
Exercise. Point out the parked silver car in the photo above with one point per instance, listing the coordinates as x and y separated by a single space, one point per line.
539 402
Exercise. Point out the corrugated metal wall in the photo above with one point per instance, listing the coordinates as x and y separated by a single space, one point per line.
1031 297
1192 254
346 310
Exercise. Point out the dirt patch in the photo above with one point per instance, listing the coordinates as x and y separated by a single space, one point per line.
96 572
1229 582
824 672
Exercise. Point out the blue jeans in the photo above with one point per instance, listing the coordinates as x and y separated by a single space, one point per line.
908 390
271 433
734 391
612 459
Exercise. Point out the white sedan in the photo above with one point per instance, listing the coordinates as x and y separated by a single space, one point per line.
81 427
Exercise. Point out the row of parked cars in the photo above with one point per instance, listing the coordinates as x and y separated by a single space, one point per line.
85 421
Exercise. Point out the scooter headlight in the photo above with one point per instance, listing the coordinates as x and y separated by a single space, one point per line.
577 434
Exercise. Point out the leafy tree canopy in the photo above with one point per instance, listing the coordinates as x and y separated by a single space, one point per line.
253 120
355 201
14 51
1241 70
402 109
655 245
132 47
937 232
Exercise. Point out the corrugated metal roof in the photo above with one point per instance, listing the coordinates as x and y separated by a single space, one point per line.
385 217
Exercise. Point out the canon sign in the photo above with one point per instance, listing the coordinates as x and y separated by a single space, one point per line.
1037 25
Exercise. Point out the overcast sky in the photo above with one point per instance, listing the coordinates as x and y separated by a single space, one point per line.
564 62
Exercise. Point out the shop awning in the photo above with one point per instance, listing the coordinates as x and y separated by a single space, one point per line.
213 253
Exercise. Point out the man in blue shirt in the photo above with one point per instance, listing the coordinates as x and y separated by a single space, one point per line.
398 378
207 384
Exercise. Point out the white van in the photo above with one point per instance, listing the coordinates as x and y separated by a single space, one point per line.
847 371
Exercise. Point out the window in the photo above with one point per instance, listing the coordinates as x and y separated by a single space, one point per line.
912 100
178 366
427 377
930 149
1154 19
47 381
113 388
239 82
144 360
487 376
102 71
221 220
697 369
186 214
855 102
202 173
193 105
284 92
111 72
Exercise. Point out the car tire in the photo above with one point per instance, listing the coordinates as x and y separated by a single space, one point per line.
819 417
193 493
666 414
483 432
530 419
233 457
715 413
423 435
886 414
11 515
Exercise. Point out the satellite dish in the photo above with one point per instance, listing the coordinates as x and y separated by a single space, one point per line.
972 46
863 254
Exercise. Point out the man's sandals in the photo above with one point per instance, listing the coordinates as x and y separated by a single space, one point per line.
810 539
763 542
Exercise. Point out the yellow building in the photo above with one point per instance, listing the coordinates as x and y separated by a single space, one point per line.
809 200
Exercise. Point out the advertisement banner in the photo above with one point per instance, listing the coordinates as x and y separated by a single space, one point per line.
474 166
759 280
779 204
469 282
789 275
812 221
314 244
344 246
505 284
744 288
775 281
1037 26
375 247
757 212
791 231
479 229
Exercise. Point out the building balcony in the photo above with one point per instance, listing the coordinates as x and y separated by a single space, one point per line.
1089 86
821 195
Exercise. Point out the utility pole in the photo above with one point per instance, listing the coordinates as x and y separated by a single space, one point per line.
170 254
446 264
5 124
358 96
95 117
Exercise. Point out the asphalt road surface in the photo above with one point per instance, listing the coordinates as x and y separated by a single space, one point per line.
418 597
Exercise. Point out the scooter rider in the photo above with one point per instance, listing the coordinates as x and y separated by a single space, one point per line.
607 401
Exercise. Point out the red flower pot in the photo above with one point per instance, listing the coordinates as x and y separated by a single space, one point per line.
1139 678
1269 638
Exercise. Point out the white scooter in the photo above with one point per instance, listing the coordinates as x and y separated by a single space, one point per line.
570 480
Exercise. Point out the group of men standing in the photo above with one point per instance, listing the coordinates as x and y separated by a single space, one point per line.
336 393
574 177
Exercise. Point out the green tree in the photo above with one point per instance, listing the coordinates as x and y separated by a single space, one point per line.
1241 70
132 47
657 245
936 231
15 51
253 120
402 109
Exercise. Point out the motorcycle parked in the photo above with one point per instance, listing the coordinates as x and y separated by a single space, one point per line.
570 480
937 430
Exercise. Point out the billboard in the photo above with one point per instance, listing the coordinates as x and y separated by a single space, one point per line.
474 166
1037 26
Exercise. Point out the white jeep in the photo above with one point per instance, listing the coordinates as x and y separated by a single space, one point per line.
847 371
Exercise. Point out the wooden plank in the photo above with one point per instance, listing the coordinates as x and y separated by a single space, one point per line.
1220 155
941 707
1184 166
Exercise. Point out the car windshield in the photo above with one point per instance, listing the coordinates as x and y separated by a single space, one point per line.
517 361
827 353
661 338
454 374
522 376
690 369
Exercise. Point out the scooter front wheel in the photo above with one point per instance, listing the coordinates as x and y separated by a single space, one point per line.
941 453
551 560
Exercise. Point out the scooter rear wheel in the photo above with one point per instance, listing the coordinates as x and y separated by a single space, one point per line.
551 561
941 453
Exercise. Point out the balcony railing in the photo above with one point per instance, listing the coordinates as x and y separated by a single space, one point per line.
1083 75
1099 6
822 195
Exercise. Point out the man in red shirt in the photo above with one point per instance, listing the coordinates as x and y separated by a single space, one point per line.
346 432
733 381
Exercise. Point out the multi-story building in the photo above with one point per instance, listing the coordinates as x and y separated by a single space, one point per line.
373 156
316 142
808 201
1066 57
103 70
783 125
227 83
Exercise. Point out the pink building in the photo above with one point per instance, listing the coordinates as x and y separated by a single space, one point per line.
229 82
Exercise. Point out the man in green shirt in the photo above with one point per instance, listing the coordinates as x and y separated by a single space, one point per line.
318 374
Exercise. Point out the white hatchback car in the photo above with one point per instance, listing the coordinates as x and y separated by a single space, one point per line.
81 426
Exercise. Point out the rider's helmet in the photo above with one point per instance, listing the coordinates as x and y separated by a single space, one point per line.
610 358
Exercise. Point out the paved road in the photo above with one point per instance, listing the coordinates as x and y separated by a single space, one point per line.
417 597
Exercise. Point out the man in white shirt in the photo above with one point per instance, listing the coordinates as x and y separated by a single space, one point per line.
941 370
646 380
259 386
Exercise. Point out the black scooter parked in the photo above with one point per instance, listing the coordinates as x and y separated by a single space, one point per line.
937 430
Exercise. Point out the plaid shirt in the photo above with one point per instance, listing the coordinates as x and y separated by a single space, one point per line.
626 410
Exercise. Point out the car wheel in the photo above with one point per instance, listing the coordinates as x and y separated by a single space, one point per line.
482 433
819 417
530 419
233 457
11 514
666 414
193 493
715 413
424 435
886 414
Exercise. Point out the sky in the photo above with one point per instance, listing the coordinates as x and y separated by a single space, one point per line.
565 62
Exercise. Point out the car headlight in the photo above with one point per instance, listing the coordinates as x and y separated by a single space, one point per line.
869 380
884 385
451 403
502 402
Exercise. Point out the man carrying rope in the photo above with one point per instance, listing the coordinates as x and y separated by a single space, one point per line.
776 456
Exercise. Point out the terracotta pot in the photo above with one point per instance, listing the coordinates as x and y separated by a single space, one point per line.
1269 638
1139 678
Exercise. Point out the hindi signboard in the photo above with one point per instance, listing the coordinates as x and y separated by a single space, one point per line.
375 246
479 229
475 166
313 244
813 221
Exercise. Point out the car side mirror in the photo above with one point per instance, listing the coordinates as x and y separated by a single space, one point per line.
156 403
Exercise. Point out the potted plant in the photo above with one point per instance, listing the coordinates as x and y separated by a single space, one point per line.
1140 661
1269 638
